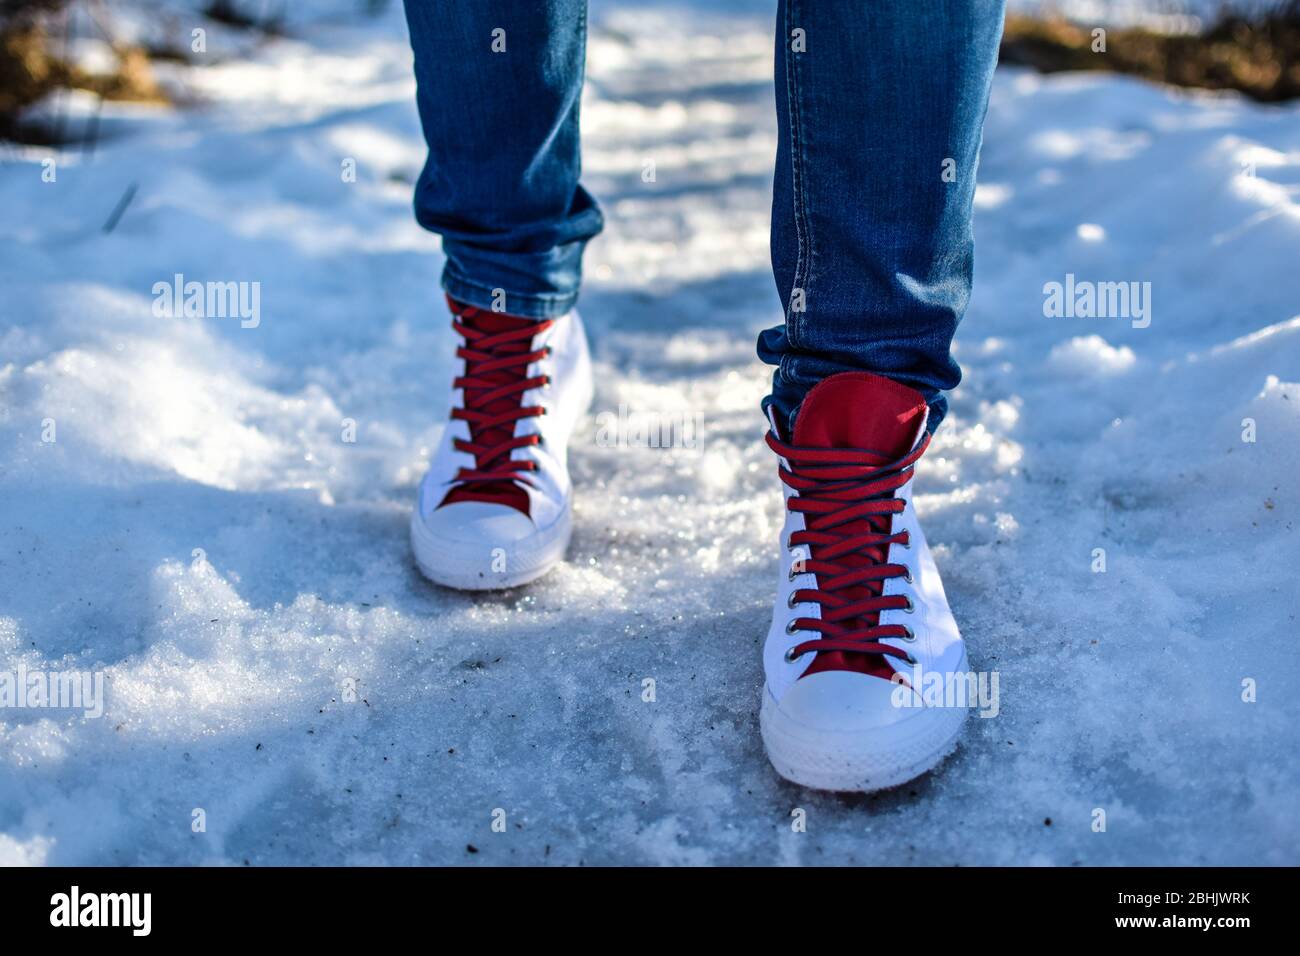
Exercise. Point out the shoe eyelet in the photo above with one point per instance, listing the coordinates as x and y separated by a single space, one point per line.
906 545
790 656
911 661
910 637
791 602
907 574
911 607
790 628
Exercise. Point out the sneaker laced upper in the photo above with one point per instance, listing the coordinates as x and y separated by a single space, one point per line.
847 461
497 352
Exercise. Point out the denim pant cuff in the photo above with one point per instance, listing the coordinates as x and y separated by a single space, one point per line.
534 306
787 397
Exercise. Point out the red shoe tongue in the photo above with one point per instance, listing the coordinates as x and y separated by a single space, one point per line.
860 410
494 322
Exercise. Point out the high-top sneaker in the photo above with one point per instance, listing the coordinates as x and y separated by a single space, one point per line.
860 618
495 508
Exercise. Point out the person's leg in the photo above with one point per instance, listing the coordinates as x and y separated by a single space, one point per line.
880 107
498 89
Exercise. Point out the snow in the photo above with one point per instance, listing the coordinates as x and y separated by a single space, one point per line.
199 530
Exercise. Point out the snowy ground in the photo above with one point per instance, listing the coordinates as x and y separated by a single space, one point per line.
228 667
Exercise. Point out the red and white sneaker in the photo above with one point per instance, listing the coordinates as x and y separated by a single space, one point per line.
496 505
860 615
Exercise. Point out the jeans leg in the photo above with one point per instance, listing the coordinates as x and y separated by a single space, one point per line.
880 107
498 90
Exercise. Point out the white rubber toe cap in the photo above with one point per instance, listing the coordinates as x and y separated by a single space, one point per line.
837 730
846 702
475 545
479 525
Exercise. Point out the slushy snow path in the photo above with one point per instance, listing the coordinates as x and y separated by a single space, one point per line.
200 530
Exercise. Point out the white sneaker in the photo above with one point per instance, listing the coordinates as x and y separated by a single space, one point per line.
495 507
861 620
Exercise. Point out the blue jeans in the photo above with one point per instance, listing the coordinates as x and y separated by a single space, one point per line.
880 105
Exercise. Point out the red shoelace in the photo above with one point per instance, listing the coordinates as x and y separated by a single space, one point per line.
497 353
847 499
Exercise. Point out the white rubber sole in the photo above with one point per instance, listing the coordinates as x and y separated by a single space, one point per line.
470 569
859 762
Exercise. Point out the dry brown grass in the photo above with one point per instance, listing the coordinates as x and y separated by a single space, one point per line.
30 69
1258 57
